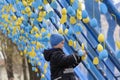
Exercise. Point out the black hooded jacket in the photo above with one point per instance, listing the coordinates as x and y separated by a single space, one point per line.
59 63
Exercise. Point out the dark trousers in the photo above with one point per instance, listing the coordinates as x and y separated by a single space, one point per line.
66 77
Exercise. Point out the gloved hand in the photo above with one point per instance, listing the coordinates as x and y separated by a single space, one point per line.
81 52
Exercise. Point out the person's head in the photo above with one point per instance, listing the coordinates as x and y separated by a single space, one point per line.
57 41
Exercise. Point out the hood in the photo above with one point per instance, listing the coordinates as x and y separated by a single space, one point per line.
48 53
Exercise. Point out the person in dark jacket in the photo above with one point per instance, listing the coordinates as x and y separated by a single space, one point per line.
61 65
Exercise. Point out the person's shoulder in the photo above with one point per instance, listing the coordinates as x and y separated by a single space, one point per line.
57 52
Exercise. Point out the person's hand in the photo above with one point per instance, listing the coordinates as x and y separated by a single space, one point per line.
84 56
81 52
84 53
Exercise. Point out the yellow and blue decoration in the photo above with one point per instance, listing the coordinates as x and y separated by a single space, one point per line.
29 30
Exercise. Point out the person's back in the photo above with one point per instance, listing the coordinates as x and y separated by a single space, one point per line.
61 65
